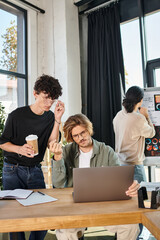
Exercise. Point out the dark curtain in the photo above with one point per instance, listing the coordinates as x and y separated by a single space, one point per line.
105 71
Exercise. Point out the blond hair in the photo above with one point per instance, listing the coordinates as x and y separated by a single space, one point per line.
73 121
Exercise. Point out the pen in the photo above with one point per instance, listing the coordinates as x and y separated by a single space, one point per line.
40 193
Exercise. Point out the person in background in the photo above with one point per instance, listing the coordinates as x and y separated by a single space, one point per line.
131 126
21 168
84 151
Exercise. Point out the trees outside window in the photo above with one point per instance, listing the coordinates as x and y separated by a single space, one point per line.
13 56
9 48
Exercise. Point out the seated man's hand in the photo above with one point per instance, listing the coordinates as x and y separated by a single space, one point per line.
132 190
56 148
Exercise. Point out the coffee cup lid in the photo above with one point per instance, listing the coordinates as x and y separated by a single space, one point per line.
31 137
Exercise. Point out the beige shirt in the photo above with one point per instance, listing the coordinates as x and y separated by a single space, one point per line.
131 129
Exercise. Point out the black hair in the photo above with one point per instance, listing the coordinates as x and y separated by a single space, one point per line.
133 96
48 85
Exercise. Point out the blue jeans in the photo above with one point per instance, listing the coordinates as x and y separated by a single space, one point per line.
15 176
139 173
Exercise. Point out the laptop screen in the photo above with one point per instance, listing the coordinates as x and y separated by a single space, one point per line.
102 183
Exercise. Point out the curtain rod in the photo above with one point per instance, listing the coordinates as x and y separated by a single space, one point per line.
27 3
32 6
100 6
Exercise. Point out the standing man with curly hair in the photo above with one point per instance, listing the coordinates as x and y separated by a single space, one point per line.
21 168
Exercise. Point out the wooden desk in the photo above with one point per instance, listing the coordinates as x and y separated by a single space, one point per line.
151 220
64 213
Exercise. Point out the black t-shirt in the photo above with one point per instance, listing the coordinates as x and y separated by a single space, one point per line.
21 123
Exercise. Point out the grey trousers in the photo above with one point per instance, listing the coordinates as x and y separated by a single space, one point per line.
124 232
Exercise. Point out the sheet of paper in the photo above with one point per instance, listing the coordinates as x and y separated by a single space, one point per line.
149 102
16 193
150 186
36 198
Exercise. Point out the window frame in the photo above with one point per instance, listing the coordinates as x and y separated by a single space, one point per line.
18 74
140 9
151 66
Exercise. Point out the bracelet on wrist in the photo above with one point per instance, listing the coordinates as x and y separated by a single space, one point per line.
57 122
20 155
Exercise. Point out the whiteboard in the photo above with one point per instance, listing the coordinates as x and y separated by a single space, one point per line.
151 100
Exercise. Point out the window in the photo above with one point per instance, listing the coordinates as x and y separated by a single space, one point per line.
157 77
13 57
132 53
153 72
140 41
152 35
153 48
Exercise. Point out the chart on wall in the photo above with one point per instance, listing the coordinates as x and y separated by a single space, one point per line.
151 100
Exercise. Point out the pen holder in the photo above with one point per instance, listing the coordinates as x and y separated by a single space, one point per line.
142 196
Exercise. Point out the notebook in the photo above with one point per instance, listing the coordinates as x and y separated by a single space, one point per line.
102 183
15 194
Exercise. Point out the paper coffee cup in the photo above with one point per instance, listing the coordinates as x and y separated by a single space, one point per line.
32 140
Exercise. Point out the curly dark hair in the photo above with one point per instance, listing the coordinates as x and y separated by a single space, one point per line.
133 96
48 85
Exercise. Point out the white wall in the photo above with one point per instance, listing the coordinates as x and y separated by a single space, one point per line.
60 44
53 48
67 53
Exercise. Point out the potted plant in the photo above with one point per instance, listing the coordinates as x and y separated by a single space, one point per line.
2 121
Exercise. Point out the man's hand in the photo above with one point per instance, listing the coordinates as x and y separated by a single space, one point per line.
56 148
144 111
132 190
59 110
26 150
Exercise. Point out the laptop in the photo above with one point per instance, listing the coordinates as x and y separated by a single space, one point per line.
102 183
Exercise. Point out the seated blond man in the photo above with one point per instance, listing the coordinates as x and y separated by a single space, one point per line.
84 151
